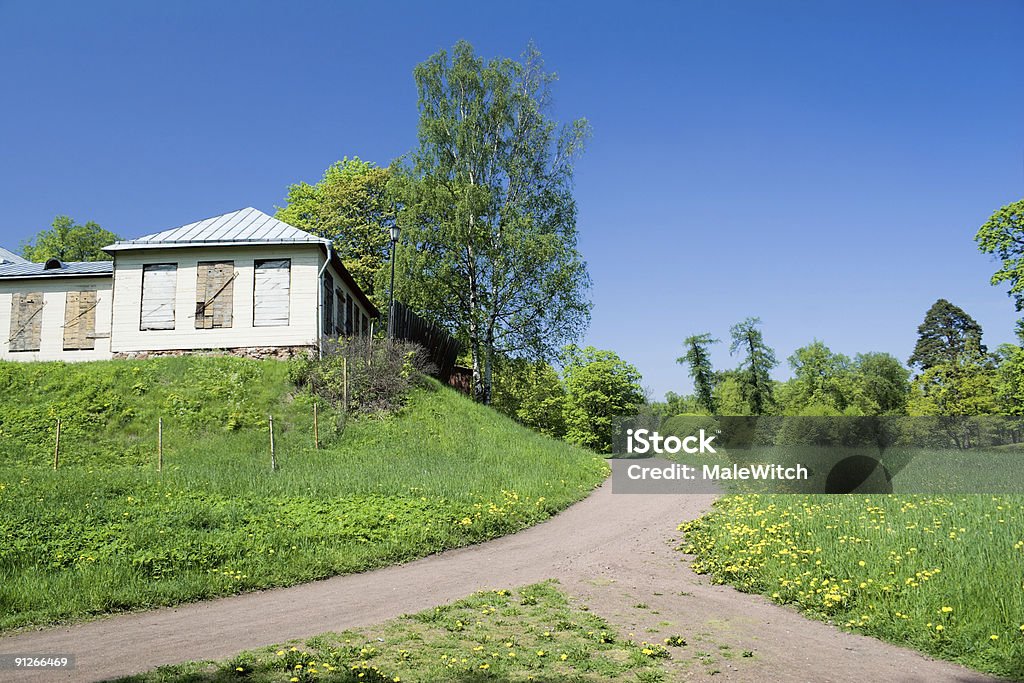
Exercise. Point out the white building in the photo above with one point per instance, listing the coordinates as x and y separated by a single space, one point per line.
243 283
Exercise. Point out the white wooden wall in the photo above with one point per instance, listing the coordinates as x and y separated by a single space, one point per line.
119 304
304 294
51 342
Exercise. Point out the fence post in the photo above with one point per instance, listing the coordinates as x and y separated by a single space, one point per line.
344 384
56 447
316 427
273 455
160 445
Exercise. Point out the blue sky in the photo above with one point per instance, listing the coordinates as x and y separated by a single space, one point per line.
822 165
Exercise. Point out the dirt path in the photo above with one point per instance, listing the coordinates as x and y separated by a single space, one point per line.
613 552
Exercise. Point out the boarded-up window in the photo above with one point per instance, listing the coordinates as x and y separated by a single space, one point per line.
80 320
158 287
271 293
339 306
349 317
26 321
214 294
328 304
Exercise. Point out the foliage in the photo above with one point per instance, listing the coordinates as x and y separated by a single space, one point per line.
698 357
489 220
948 336
529 633
69 241
955 389
881 384
729 395
600 386
1003 235
532 394
957 374
1010 380
351 207
753 376
363 374
107 532
821 380
674 404
939 574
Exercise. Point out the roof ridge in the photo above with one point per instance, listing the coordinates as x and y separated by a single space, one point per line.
246 225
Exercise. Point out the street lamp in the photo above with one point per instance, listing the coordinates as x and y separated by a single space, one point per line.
395 232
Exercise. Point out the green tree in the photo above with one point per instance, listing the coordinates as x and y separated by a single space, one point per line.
758 361
1003 235
698 357
822 381
948 336
69 241
351 207
955 389
600 386
729 395
957 375
674 404
532 394
489 220
1010 381
881 384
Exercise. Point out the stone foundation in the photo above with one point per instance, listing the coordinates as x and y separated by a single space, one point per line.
255 352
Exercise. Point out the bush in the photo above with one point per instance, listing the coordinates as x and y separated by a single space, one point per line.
378 375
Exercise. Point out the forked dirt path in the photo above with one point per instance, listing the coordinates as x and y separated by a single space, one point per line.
612 552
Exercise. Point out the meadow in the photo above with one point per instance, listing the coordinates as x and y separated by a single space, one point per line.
106 531
533 633
941 574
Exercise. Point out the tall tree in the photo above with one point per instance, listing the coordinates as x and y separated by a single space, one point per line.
351 207
948 335
600 387
821 379
957 375
69 241
881 384
1003 235
488 215
698 357
755 369
530 392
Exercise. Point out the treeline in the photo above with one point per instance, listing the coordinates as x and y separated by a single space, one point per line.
951 372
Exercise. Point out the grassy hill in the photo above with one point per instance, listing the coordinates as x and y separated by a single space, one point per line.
107 531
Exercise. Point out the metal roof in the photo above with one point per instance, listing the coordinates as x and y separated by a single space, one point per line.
7 257
244 226
74 268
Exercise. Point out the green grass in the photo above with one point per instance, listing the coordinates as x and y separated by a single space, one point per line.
107 532
942 574
532 633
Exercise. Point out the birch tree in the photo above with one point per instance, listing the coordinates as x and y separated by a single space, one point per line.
489 244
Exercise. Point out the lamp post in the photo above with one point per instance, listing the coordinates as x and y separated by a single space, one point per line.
395 232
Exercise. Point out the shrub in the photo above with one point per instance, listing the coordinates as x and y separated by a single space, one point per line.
364 375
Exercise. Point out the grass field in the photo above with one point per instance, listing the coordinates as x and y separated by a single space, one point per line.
107 532
532 633
942 574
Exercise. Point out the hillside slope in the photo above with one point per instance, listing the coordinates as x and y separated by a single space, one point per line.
106 531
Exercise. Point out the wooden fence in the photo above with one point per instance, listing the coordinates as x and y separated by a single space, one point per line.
442 348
